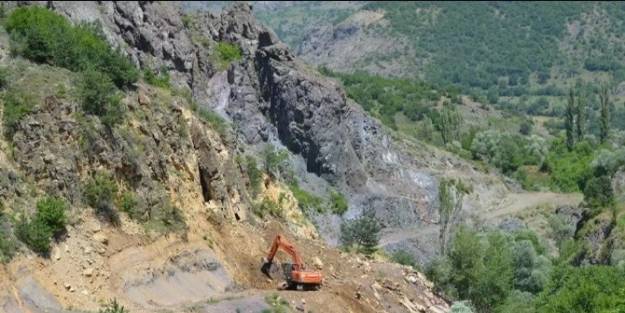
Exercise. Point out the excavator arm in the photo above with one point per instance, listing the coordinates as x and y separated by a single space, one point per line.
280 243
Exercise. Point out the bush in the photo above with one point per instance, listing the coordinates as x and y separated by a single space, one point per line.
227 53
51 211
158 79
99 192
99 97
44 36
128 203
460 307
584 289
276 162
255 175
305 200
16 107
7 244
214 120
362 233
502 150
112 307
404 258
267 206
4 77
598 192
48 222
338 203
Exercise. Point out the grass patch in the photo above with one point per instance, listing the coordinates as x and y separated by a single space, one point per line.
268 207
338 203
277 303
214 120
157 78
305 200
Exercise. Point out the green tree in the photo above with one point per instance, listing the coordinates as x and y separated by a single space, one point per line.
589 289
449 123
569 121
466 260
604 113
450 196
580 115
598 192
362 233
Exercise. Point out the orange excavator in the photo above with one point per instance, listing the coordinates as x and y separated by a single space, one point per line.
297 277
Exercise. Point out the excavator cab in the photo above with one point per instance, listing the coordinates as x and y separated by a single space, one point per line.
297 277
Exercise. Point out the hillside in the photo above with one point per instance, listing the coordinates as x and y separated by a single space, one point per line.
498 45
151 151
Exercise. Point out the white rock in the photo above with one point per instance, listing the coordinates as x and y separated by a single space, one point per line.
101 238
56 254
88 272
317 263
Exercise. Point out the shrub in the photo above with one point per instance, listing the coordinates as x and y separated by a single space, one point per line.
598 192
99 97
112 307
227 53
214 120
43 36
128 203
267 206
277 304
338 203
51 211
7 244
404 258
4 77
16 107
255 175
276 161
362 233
460 307
499 149
49 221
584 289
99 192
305 200
35 235
158 79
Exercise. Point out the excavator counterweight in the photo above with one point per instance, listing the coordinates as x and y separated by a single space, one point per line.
297 277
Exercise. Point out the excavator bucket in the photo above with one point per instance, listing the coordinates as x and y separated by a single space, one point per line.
267 267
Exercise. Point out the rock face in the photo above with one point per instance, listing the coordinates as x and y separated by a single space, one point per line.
272 97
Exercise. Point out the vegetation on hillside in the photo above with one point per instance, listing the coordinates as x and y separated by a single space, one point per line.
43 36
